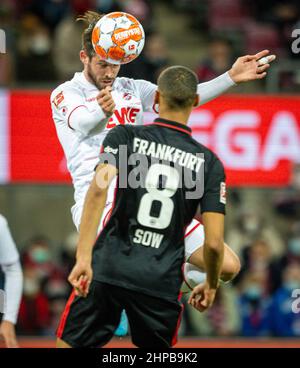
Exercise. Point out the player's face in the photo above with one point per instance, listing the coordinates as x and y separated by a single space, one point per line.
102 73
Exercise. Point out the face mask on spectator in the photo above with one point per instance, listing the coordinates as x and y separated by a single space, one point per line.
40 255
294 246
31 287
291 285
253 292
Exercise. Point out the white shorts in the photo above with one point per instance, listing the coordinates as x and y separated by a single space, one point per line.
194 234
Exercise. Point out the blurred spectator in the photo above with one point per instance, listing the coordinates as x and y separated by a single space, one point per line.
34 316
285 322
287 201
50 12
141 9
250 226
290 257
39 256
222 319
150 63
257 258
255 305
220 59
34 60
66 47
7 63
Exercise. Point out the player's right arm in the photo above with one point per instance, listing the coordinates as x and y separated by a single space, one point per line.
213 210
70 106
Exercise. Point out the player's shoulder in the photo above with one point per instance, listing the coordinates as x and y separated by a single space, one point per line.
72 85
130 83
209 156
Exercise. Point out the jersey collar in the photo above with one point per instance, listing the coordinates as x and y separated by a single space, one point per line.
173 125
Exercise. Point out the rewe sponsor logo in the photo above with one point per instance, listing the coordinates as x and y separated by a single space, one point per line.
126 115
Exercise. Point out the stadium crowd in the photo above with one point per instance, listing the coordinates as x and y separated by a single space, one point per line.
43 41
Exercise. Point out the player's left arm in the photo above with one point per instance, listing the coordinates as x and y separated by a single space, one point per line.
246 68
82 274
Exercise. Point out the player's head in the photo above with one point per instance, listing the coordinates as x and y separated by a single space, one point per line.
177 89
99 72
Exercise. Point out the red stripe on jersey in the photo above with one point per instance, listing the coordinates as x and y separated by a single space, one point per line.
173 127
175 336
106 218
71 114
193 229
65 314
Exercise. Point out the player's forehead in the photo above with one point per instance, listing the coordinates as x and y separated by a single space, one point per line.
97 60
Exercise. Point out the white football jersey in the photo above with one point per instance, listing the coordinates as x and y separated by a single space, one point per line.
132 98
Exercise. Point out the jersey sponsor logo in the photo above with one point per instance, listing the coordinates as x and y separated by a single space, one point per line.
109 149
90 99
127 96
58 99
147 238
223 192
126 115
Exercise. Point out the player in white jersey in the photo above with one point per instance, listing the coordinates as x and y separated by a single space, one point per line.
93 102
10 264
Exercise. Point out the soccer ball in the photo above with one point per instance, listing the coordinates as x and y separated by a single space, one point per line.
118 38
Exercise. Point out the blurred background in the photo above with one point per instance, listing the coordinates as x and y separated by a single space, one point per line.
255 130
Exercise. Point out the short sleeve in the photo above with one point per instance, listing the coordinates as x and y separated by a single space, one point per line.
8 249
214 197
114 146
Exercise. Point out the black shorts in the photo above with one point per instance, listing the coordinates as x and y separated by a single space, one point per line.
91 321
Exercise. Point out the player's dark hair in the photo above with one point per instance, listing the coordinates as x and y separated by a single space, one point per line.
178 87
90 18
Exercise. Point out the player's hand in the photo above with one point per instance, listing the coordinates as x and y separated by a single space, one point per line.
8 333
202 297
81 277
248 68
106 101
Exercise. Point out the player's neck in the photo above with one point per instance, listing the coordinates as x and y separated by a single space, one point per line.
179 117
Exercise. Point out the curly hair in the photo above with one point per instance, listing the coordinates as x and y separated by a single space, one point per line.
90 18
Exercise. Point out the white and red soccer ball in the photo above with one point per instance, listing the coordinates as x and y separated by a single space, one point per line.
118 38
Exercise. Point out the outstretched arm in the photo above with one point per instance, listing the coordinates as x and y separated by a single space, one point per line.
246 68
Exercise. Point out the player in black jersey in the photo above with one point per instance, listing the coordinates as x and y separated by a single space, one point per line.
163 177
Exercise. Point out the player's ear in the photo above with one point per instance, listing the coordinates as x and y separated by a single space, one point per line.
83 57
197 101
156 97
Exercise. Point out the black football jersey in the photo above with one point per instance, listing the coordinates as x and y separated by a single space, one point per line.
164 175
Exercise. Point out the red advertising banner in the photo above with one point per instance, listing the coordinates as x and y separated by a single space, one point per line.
256 137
